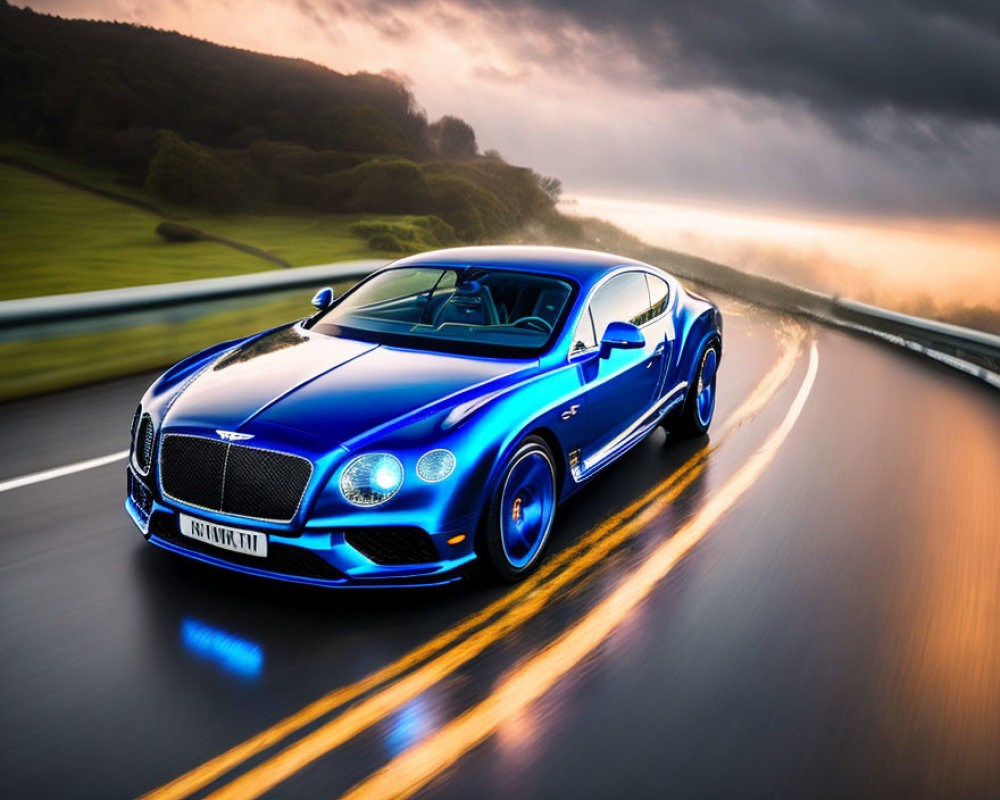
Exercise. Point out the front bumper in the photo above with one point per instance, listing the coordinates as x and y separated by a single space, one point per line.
319 558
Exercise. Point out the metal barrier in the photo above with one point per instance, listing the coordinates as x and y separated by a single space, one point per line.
113 309
971 351
974 352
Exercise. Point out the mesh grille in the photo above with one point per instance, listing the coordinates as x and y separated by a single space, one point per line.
140 494
393 546
191 470
264 484
282 559
144 443
231 478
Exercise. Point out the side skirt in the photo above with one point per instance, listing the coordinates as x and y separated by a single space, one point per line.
631 436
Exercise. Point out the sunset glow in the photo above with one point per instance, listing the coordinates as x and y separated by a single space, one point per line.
896 263
886 196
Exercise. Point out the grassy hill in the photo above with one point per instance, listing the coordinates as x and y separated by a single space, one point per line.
58 234
110 131
221 130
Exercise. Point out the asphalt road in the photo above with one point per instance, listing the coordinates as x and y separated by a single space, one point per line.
805 604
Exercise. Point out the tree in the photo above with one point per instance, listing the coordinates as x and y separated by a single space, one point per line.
551 186
452 138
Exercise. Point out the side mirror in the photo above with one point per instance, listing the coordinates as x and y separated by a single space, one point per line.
323 299
621 336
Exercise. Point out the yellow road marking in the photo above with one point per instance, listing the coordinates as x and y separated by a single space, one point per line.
210 770
351 722
591 550
416 767
206 773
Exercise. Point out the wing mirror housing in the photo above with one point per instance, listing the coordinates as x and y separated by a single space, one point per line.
323 299
621 336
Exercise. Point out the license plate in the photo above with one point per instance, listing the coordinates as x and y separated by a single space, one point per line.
251 543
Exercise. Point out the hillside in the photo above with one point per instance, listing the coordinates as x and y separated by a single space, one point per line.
219 129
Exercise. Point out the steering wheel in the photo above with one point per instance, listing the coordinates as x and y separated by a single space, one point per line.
535 323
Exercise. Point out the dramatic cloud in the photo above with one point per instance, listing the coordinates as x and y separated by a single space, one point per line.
906 88
845 107
870 128
915 56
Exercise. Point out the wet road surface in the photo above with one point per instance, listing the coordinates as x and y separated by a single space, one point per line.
755 614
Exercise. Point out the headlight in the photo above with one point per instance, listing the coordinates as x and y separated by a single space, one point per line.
371 479
435 465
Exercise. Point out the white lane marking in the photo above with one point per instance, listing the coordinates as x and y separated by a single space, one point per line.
58 472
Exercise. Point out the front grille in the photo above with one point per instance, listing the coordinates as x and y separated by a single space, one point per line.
233 478
393 546
282 559
143 445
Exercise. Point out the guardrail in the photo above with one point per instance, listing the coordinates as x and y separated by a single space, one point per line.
971 351
968 350
113 309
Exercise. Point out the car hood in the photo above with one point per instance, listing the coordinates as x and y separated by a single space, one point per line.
327 386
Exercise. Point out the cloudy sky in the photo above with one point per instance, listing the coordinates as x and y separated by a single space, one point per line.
809 125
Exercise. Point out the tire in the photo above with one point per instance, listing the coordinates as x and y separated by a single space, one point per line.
520 513
699 404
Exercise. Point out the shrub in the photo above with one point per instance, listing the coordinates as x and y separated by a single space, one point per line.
472 212
175 232
405 235
188 174
393 186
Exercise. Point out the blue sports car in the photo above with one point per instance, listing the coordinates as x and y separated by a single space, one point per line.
433 416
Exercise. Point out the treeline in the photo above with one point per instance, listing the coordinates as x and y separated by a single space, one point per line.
214 127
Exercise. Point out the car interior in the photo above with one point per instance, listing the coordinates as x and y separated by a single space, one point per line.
488 303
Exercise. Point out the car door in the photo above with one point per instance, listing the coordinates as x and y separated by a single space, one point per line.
619 389
659 327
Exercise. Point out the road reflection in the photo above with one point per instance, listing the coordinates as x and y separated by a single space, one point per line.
235 655
411 724
941 671
323 638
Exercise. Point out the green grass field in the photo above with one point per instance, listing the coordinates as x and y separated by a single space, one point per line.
35 367
56 239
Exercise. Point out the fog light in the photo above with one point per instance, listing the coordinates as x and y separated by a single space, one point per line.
435 465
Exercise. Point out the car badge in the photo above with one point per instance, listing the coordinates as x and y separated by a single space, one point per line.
233 436
570 412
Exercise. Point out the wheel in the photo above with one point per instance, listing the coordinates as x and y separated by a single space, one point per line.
519 516
699 404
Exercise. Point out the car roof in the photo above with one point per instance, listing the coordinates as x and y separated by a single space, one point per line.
585 266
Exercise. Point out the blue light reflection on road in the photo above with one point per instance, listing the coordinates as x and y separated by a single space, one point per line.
409 725
237 656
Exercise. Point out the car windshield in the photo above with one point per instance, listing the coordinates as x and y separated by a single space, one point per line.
476 310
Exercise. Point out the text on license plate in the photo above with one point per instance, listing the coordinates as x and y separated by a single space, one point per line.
251 543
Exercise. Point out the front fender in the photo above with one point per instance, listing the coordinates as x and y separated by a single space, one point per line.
481 443
553 407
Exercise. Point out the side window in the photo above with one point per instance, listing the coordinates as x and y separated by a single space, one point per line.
583 338
659 291
624 298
